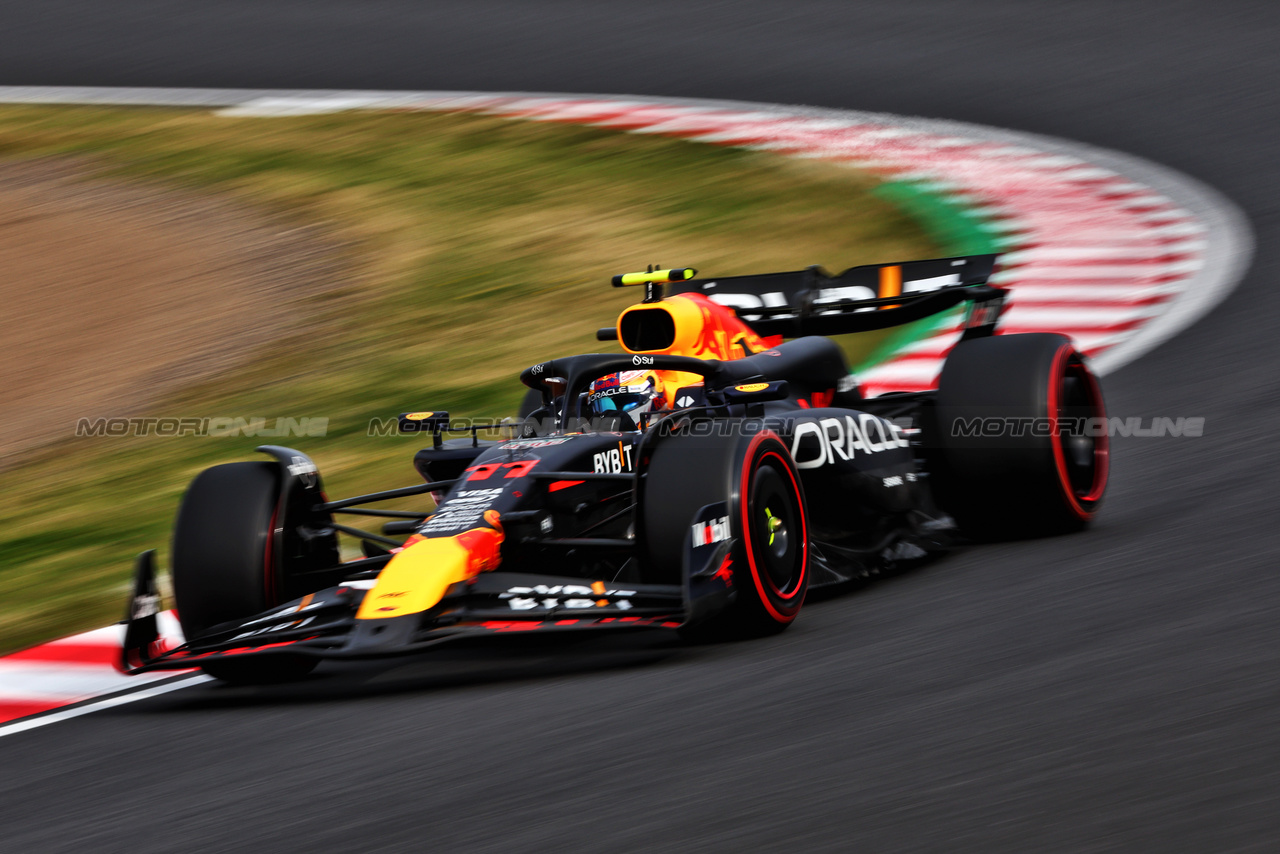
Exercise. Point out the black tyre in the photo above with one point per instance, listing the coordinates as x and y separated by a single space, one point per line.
224 567
1019 444
755 477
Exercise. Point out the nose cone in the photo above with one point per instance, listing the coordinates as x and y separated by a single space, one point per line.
417 578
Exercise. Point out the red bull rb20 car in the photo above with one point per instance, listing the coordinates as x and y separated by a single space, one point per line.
703 480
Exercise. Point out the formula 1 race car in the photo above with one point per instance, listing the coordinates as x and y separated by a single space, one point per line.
703 480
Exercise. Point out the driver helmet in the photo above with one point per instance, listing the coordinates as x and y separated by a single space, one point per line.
632 392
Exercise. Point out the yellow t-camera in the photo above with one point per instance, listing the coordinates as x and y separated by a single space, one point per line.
656 277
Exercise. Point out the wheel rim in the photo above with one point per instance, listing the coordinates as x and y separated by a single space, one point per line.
1078 448
777 532
773 513
1083 445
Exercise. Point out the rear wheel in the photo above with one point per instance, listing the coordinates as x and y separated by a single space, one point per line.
1019 438
224 566
757 482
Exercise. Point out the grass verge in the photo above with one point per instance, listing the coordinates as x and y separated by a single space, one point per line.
476 246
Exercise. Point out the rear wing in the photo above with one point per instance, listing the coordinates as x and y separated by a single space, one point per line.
876 296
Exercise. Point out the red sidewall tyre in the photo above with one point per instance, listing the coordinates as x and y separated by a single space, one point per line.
224 567
769 489
750 470
1017 438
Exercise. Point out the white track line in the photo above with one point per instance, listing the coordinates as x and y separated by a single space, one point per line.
110 702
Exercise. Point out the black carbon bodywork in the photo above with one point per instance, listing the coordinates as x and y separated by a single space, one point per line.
563 491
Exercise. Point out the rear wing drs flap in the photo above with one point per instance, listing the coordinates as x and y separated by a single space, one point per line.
875 296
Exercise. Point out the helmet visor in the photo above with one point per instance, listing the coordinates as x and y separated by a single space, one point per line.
624 402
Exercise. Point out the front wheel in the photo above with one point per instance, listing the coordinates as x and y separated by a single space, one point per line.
774 535
753 477
224 563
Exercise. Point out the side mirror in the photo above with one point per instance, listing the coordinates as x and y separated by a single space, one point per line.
423 422
756 392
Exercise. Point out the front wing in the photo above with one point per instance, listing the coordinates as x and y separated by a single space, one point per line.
324 624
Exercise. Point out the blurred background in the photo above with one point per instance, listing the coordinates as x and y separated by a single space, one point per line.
1108 691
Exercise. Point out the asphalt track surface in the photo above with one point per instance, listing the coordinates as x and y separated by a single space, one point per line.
1109 691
